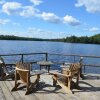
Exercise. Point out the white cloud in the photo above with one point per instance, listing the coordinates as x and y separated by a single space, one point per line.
11 7
2 1
4 21
50 17
92 6
71 20
36 2
94 29
29 11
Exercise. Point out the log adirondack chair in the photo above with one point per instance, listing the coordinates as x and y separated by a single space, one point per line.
64 79
7 70
23 72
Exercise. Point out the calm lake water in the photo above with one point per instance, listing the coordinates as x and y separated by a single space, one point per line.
10 47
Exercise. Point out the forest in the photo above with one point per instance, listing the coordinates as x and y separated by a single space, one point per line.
95 39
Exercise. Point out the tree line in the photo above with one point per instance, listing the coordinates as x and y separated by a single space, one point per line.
12 37
83 39
72 39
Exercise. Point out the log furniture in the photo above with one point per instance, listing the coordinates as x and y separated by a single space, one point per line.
23 72
64 79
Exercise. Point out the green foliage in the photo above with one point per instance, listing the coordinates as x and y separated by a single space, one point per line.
72 39
83 39
11 37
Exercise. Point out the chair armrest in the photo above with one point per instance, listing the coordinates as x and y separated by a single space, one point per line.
57 73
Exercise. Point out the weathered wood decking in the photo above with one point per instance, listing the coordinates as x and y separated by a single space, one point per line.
89 90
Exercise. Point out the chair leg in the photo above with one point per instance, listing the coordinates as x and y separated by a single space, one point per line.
69 83
16 84
48 69
37 80
77 80
28 83
54 80
15 87
13 77
27 90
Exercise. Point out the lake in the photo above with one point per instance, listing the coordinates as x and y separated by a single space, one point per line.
7 47
10 47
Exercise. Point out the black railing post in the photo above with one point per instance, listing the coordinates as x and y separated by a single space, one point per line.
84 68
22 58
46 55
81 64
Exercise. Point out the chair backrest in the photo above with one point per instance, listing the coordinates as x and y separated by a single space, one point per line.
23 69
3 65
74 68
1 60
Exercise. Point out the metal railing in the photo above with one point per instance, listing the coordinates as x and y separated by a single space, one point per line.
87 63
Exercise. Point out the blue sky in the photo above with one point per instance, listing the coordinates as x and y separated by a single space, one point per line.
49 18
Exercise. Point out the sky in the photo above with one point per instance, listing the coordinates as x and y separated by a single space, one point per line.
49 18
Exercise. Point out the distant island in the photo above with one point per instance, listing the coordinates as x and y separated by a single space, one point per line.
95 39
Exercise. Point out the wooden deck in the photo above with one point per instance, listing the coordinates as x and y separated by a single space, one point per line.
89 90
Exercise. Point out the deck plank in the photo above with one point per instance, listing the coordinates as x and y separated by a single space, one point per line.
15 95
2 97
49 91
89 89
6 91
22 94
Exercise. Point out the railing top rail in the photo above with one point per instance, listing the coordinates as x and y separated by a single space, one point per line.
74 55
92 56
91 65
21 54
45 53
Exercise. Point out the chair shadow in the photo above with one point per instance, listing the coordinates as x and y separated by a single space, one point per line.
92 77
45 88
41 88
87 88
